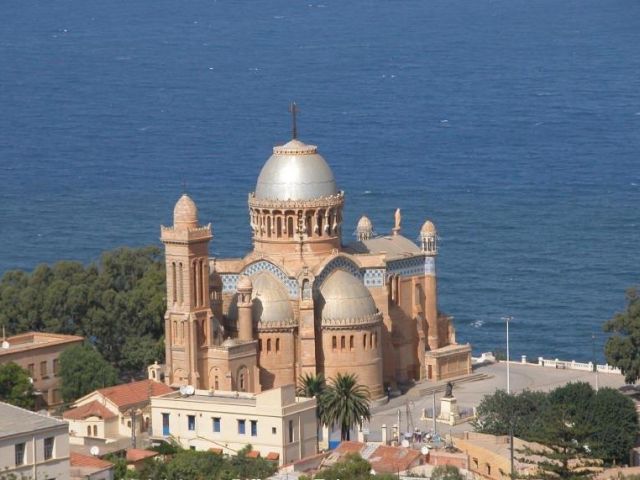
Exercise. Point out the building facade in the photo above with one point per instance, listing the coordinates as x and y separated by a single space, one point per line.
38 353
113 413
302 301
278 425
33 446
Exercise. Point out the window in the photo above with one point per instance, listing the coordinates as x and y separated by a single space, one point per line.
334 342
55 367
342 343
88 430
375 340
268 345
95 430
260 344
191 422
364 341
291 430
242 387
351 342
216 424
274 430
165 425
128 423
20 447
43 369
254 428
48 448
277 344
32 370
216 383
241 427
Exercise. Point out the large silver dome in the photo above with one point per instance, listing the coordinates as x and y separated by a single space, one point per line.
344 298
295 171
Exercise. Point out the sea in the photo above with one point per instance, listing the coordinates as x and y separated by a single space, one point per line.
514 125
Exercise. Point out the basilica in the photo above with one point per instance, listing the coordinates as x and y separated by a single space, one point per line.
303 301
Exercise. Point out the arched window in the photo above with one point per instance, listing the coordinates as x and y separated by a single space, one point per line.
375 340
95 430
309 224
290 227
269 226
342 343
180 286
319 222
351 342
371 340
174 289
279 227
277 345
334 342
268 344
242 387
88 430
260 344
216 383
364 341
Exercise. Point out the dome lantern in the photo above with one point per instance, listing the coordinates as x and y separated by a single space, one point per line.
364 229
428 238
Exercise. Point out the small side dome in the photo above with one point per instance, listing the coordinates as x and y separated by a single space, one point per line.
428 228
345 300
364 229
185 213
271 305
244 284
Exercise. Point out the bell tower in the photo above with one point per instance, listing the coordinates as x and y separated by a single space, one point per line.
428 238
188 320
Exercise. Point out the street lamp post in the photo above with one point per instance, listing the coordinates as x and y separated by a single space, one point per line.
507 319
595 362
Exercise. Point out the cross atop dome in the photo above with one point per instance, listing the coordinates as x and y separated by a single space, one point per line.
293 110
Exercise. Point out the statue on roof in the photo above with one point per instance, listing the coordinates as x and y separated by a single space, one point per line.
398 220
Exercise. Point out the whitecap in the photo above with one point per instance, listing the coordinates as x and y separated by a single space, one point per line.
477 323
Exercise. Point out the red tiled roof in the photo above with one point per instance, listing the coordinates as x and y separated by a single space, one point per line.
349 447
393 459
253 454
217 451
137 454
273 456
129 394
91 409
79 460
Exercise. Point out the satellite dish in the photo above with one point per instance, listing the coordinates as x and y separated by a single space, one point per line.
5 344
424 450
94 450
405 443
183 390
189 390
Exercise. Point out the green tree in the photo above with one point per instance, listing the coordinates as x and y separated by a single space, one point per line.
622 349
15 386
446 472
562 455
615 423
83 370
311 386
118 303
345 403
499 411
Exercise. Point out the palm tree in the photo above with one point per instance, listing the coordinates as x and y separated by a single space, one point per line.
310 386
345 403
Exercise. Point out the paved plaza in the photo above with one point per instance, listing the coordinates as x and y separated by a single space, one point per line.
469 394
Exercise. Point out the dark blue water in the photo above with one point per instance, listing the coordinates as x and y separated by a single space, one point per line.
513 124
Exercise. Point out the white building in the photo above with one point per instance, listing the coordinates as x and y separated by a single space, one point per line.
278 425
109 414
33 446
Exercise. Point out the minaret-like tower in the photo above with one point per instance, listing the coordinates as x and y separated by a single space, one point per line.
245 320
188 321
428 244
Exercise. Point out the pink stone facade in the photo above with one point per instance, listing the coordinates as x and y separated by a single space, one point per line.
304 301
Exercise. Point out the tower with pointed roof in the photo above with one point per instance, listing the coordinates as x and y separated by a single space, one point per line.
188 321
